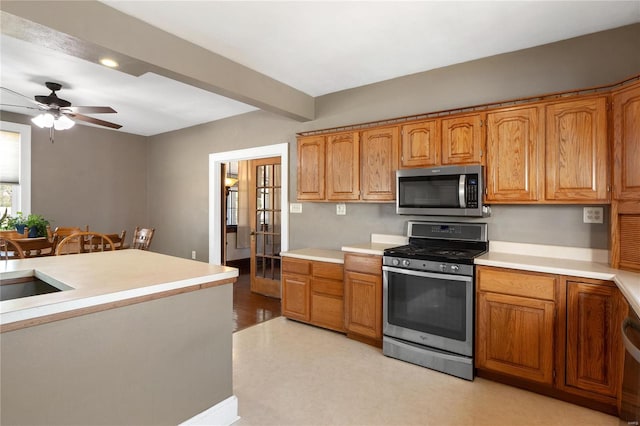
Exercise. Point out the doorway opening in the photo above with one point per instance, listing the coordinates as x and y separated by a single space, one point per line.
249 307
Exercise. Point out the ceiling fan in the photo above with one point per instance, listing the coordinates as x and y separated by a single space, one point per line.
57 113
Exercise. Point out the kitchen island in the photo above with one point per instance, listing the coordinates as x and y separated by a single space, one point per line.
134 337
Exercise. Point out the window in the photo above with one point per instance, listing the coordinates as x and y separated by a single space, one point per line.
232 206
15 168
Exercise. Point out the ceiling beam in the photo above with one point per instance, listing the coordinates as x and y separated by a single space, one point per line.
91 30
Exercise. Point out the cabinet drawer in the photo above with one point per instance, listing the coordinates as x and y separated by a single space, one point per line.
296 266
332 271
367 264
329 287
517 283
327 312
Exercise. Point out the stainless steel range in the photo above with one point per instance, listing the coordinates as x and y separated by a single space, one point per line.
429 296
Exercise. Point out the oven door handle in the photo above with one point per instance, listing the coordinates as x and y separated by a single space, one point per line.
427 274
632 349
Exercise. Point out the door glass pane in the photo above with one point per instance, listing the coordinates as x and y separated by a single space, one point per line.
268 221
276 175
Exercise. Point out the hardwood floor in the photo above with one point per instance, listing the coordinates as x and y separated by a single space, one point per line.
250 308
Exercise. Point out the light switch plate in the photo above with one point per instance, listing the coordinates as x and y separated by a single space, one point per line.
593 214
295 207
341 209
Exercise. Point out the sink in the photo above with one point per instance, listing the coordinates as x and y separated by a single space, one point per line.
24 287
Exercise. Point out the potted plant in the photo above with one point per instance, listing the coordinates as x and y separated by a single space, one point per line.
37 225
17 222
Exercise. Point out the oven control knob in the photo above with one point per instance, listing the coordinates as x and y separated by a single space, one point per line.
395 262
406 262
443 267
454 268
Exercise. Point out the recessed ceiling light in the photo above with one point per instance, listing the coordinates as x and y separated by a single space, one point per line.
107 62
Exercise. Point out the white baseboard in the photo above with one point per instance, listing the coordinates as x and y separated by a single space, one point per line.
223 413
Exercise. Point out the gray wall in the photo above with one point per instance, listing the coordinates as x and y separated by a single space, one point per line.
160 362
88 176
113 180
178 161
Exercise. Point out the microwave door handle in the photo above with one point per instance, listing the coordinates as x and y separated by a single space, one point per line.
461 191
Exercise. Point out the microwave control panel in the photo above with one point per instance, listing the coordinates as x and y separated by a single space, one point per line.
472 191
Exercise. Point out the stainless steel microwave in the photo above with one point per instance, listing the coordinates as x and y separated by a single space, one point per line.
441 191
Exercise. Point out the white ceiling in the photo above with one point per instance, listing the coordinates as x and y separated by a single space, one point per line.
315 47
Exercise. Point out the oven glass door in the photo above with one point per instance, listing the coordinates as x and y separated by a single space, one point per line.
431 309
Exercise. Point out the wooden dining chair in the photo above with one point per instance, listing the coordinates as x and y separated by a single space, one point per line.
12 234
118 240
84 242
10 250
61 232
142 238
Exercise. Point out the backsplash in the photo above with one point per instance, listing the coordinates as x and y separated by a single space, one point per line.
558 225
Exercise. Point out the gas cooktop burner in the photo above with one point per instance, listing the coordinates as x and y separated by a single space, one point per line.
449 253
434 253
443 242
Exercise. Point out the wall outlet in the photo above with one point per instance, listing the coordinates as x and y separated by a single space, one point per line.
593 215
193 254
341 209
295 207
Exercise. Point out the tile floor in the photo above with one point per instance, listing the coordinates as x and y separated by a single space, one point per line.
287 373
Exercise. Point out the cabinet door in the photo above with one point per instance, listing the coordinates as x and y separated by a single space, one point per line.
363 303
626 143
420 144
593 340
515 336
311 168
576 147
379 159
514 153
343 167
462 139
295 296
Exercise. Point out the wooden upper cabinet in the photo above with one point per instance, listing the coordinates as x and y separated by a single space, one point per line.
576 151
626 143
462 140
311 168
420 144
514 155
343 166
379 160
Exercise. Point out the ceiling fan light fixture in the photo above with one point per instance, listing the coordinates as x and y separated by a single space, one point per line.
108 62
63 123
43 120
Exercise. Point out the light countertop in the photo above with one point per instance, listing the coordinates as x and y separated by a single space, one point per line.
571 263
378 244
318 255
93 279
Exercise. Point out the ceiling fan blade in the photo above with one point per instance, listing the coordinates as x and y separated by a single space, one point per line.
19 106
40 105
89 110
93 120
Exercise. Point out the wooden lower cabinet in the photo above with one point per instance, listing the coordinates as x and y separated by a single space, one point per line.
296 282
515 336
313 292
551 334
363 297
594 351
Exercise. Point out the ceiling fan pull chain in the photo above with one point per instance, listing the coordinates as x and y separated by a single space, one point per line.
51 134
